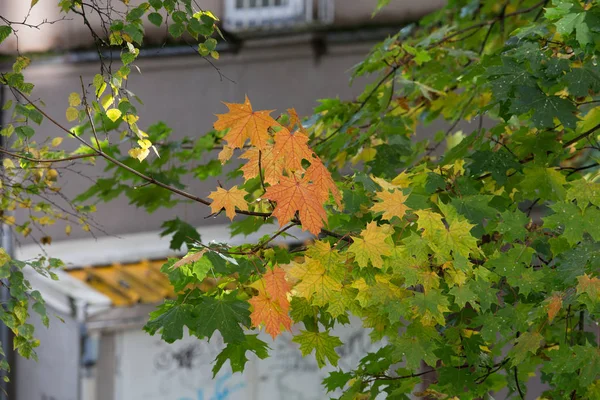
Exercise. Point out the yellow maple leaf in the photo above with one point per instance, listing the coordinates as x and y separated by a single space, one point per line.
294 194
314 281
372 246
430 222
244 123
380 293
229 200
402 180
225 154
385 185
391 204
329 258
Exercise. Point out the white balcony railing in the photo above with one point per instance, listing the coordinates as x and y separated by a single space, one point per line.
241 15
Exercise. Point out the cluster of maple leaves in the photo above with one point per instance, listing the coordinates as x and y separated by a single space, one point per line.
298 183
276 155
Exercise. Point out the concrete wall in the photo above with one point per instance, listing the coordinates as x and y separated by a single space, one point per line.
55 375
73 34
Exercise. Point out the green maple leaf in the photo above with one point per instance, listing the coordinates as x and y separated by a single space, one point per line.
322 343
580 81
463 295
568 17
542 183
225 314
336 380
584 192
486 294
513 225
589 358
430 307
528 342
458 239
182 233
543 145
418 343
301 308
574 221
498 163
569 217
236 354
544 108
477 210
505 78
169 319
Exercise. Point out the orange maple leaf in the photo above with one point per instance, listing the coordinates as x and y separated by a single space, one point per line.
295 121
554 305
275 286
320 176
292 147
272 167
296 194
243 124
269 312
229 200
391 204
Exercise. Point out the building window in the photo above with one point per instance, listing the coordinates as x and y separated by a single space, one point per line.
244 14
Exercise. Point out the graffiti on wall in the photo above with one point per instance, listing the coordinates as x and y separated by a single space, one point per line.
222 389
151 369
289 375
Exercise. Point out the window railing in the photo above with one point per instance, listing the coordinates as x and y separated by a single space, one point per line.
243 15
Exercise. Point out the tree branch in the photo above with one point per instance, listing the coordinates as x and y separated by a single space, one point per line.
45 160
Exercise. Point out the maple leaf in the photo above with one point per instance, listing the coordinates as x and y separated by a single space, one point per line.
236 354
229 200
272 167
292 147
226 314
553 306
380 293
322 342
329 258
243 124
275 286
189 258
589 285
269 312
391 204
225 154
318 174
314 283
293 194
372 246
527 342
456 238
340 302
430 307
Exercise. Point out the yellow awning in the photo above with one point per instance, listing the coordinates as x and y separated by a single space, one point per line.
128 284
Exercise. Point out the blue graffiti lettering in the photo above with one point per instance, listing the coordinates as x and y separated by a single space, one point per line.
222 390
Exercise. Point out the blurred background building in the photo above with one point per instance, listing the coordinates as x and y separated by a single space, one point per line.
281 53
